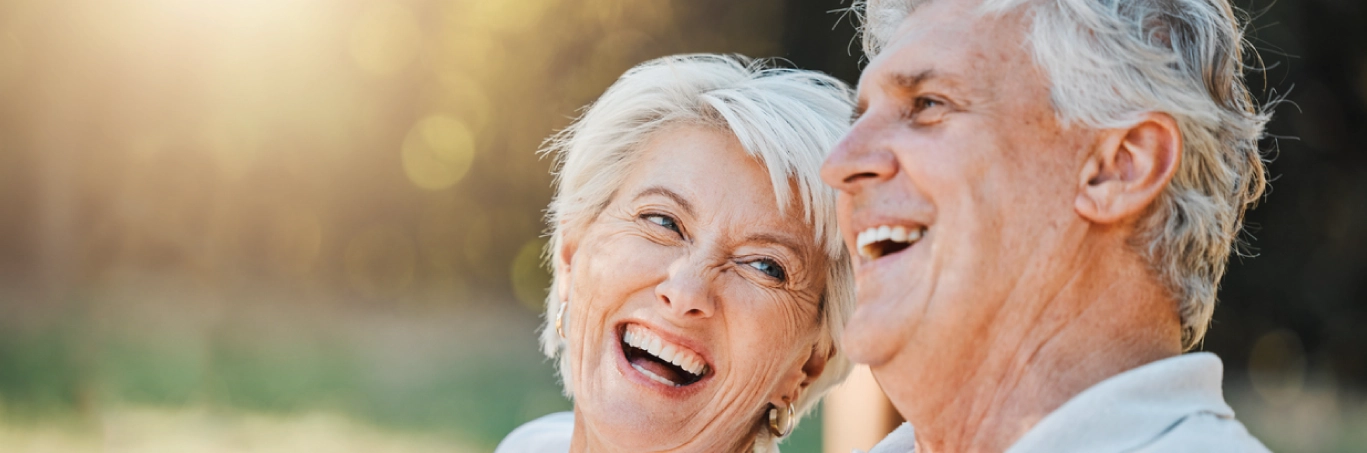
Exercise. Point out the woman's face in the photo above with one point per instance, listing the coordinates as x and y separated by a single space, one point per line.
693 303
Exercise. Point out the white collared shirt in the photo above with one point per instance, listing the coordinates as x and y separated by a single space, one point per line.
1171 405
548 434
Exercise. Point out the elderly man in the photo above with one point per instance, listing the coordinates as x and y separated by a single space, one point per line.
1042 196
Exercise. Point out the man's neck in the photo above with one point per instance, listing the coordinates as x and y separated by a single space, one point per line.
1084 334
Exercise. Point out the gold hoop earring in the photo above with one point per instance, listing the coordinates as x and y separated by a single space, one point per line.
777 419
560 319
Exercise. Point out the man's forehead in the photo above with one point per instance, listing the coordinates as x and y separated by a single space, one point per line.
944 41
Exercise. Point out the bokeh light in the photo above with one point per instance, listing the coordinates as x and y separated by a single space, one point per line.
1276 366
385 38
529 278
437 152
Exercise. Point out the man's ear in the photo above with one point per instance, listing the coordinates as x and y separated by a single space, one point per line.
1128 169
564 256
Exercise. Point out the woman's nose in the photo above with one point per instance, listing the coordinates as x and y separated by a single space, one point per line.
687 292
859 159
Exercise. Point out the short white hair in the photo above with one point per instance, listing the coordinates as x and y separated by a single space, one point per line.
787 119
1111 61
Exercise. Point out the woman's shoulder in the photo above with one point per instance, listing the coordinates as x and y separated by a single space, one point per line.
547 434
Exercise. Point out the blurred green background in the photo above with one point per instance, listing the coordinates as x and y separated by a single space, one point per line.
314 225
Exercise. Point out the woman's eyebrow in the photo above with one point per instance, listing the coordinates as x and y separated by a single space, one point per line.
779 240
661 191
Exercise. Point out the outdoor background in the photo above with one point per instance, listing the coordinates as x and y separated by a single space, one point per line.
314 225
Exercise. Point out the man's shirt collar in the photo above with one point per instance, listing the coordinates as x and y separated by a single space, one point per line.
1132 408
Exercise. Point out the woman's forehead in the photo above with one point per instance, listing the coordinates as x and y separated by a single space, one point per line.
707 174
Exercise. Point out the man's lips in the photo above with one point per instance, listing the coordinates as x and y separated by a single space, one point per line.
881 240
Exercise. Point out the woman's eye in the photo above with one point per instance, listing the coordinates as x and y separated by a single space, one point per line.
664 221
770 268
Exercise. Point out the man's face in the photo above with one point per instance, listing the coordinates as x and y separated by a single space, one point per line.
956 143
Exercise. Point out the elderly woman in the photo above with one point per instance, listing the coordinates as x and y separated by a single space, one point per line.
699 278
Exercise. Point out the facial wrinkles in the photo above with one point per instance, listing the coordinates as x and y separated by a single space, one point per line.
753 375
594 306
1032 248
758 330
745 305
749 394
708 261
1029 140
969 224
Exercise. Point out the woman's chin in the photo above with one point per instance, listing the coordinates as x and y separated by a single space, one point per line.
629 424
636 412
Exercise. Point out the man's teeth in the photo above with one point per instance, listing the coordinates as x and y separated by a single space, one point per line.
871 236
641 338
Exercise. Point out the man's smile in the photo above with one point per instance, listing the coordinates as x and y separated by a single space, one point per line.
879 241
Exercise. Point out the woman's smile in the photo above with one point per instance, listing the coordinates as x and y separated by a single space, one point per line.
664 360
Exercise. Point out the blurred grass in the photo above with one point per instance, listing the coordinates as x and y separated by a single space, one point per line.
87 378
111 372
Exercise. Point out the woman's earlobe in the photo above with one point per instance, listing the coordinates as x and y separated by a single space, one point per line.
565 246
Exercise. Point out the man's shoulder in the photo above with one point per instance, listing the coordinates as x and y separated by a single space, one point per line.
1174 404
551 433
1206 432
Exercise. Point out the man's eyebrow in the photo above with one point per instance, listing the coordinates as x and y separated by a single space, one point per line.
859 108
911 81
661 191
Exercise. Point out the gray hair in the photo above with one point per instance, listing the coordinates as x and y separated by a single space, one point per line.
787 119
1110 62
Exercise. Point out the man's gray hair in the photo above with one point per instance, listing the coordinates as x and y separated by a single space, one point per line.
1111 61
787 119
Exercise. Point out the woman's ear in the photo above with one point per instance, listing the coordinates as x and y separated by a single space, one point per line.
803 376
1128 169
566 245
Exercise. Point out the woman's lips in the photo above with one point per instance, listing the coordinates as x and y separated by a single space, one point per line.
661 360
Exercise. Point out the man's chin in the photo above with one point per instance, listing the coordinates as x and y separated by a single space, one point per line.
868 341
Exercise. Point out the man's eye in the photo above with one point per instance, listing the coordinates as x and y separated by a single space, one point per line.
925 110
924 103
770 268
664 221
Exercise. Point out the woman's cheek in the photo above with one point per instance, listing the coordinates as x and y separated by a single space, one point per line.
786 316
772 320
627 258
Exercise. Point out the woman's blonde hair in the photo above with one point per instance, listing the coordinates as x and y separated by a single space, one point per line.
787 119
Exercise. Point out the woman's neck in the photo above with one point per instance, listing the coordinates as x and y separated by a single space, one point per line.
585 439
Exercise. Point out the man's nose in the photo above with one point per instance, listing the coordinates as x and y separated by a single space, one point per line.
687 291
859 159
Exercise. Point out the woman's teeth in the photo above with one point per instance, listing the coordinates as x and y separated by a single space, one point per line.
653 376
641 338
882 240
